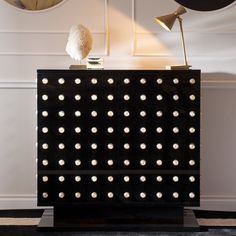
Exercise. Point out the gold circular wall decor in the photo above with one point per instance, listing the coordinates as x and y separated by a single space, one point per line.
34 5
205 5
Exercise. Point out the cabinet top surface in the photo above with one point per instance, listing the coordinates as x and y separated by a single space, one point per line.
43 69
117 71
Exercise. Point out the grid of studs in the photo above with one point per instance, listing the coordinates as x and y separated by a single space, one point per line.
118 122
111 127
71 188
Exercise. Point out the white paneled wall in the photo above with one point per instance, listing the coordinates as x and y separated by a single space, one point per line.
126 36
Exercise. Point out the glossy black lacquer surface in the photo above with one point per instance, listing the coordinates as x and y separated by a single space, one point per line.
114 137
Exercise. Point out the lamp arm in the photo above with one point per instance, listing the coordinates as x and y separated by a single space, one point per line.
183 42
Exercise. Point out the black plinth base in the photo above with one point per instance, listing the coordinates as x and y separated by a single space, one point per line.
136 224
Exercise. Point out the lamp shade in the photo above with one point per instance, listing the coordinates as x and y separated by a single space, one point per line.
167 21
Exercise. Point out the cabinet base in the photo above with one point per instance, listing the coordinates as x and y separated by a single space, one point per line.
136 224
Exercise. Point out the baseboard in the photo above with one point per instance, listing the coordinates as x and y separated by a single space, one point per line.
8 202
208 202
218 203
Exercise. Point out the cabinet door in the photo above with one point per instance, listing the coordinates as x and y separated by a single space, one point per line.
118 136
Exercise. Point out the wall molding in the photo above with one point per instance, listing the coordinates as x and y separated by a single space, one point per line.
64 33
41 32
105 33
38 54
134 42
14 84
107 27
155 33
193 55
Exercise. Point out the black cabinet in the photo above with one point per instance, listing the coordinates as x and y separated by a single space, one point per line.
119 139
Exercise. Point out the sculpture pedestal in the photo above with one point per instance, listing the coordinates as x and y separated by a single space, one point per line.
168 220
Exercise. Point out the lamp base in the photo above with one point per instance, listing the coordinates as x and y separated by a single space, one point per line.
78 67
178 67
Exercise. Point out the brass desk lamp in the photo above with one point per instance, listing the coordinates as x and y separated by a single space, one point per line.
167 23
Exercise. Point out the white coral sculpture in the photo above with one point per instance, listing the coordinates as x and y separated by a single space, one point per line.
79 42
